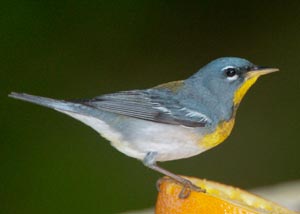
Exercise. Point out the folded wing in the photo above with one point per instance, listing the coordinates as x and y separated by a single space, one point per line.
148 105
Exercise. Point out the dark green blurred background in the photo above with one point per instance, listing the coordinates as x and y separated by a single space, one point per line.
51 163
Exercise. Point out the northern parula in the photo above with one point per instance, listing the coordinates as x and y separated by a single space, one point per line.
171 121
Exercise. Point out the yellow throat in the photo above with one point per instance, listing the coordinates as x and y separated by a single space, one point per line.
224 129
241 91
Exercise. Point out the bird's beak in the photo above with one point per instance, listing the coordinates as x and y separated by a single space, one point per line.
260 70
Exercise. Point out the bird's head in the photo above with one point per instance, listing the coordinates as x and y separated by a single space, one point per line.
230 77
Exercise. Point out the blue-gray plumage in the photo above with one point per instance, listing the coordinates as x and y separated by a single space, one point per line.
170 121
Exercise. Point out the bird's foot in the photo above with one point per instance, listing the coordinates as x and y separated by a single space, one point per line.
187 186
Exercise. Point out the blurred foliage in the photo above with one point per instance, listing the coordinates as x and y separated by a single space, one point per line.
51 163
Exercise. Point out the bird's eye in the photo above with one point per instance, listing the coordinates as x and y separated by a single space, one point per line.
231 73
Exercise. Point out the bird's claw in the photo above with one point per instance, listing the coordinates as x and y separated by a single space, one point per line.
187 187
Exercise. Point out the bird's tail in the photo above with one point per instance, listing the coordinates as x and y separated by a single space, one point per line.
90 116
59 105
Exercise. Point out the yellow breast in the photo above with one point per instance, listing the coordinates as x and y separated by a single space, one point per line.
224 128
222 131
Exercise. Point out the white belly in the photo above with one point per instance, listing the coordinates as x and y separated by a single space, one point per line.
171 142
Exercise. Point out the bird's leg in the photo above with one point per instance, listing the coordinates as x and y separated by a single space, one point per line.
150 162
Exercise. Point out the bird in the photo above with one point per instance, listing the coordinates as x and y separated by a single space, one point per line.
171 121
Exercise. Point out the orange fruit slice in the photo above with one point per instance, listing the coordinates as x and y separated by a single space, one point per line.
219 198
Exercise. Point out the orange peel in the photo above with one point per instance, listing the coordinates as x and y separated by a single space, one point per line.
219 198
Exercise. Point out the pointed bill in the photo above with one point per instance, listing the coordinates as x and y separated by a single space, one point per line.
259 71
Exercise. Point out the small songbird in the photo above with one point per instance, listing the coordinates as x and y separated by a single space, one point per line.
171 121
